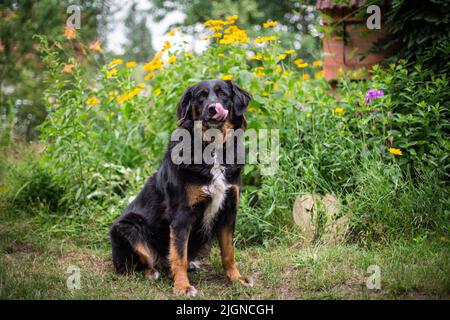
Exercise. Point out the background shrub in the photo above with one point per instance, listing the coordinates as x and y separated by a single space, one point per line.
107 130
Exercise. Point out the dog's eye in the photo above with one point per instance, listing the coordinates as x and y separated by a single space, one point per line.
201 95
221 94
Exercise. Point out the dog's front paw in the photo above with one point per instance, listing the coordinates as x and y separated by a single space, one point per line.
151 274
188 291
246 281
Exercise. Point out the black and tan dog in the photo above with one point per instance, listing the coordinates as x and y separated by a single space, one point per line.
182 208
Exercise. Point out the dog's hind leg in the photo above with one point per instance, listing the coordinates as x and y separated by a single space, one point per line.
130 248
149 258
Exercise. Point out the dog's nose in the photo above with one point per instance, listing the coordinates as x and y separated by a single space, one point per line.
212 109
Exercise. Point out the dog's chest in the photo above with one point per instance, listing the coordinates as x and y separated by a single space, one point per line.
216 190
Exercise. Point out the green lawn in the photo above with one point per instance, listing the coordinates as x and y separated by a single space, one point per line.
33 265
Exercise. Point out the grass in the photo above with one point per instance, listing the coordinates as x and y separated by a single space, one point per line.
33 265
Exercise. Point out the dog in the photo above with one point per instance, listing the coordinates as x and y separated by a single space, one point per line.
183 207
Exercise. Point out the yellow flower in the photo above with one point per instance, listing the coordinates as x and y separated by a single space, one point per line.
221 55
155 64
339 110
149 76
232 17
290 51
265 94
255 57
260 73
112 94
69 32
128 95
96 46
172 59
234 35
111 73
278 69
68 68
276 86
270 24
305 76
216 28
167 46
92 101
141 85
395 151
115 62
216 35
157 91
172 32
281 56
298 61
302 65
131 64
265 39
227 77
212 22
318 75
317 63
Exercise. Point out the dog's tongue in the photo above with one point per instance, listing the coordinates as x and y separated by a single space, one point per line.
221 112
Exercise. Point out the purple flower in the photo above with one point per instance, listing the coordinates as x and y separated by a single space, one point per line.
301 106
373 94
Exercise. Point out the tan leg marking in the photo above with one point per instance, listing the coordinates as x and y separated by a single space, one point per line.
179 267
225 237
148 258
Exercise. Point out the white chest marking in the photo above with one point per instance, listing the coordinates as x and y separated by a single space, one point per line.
216 190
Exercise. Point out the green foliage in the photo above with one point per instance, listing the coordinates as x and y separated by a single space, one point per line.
106 132
296 15
419 30
27 182
21 73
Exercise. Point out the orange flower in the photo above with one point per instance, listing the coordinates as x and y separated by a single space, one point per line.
96 46
68 68
69 32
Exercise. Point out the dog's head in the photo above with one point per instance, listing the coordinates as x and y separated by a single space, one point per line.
213 102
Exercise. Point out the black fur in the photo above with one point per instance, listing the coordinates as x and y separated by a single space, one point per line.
163 201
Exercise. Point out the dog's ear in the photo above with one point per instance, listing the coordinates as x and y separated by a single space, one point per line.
184 106
241 98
